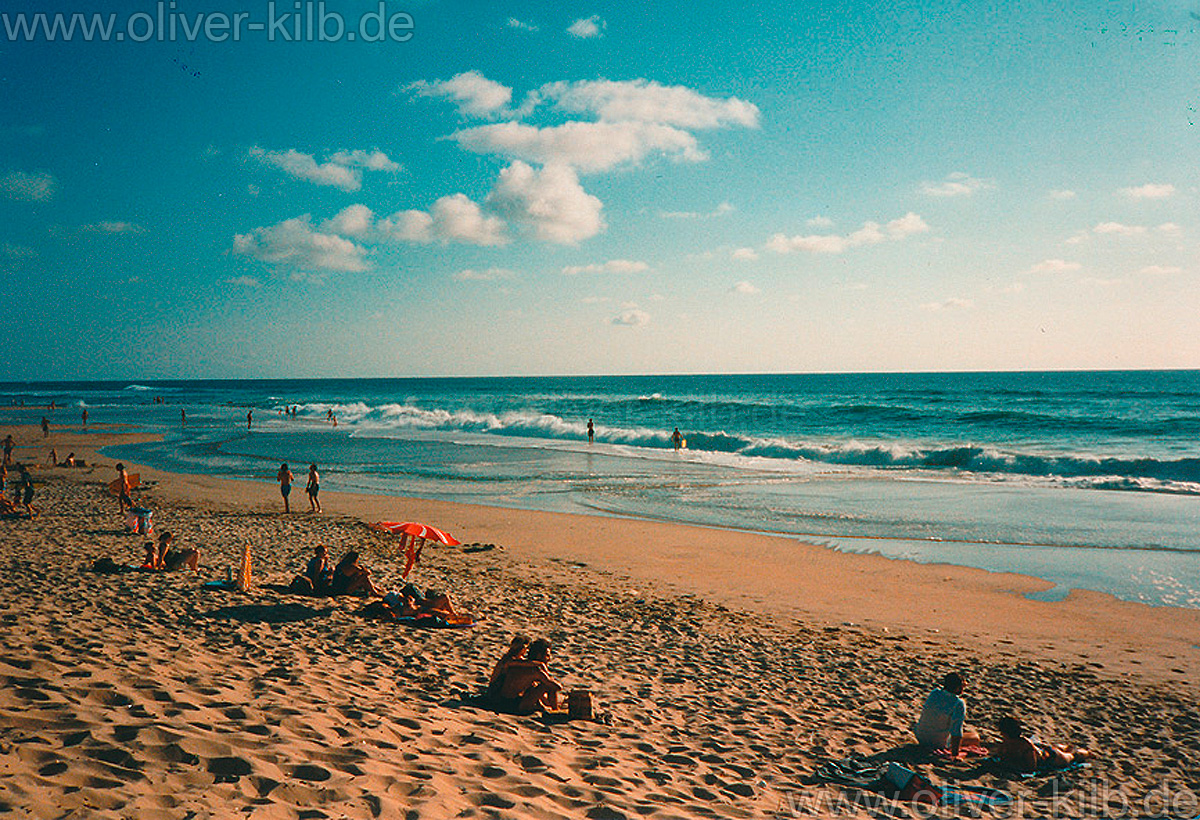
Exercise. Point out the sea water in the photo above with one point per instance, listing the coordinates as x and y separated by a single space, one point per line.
1089 479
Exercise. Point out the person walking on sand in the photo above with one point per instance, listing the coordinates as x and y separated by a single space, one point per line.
313 489
24 492
941 725
123 488
84 416
677 438
8 448
45 427
591 431
285 478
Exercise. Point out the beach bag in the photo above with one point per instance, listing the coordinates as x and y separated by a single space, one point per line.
912 787
579 705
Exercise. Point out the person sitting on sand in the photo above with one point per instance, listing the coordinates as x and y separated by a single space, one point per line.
318 572
410 602
518 648
1027 754
942 716
352 578
164 558
527 686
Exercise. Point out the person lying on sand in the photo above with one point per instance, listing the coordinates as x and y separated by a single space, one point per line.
352 578
164 558
942 717
412 603
1029 755
527 686
517 650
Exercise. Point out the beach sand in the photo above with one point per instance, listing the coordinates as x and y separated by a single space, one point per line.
732 665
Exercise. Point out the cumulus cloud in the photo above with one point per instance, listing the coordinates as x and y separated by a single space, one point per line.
1061 194
871 233
1149 191
357 221
550 202
474 94
455 218
296 244
646 101
585 146
587 27
953 303
611 266
374 160
520 25
744 254
305 167
631 317
37 186
488 275
956 184
113 228
745 288
820 222
1160 270
1119 229
720 210
1054 266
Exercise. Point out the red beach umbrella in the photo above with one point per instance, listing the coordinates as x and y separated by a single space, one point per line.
413 537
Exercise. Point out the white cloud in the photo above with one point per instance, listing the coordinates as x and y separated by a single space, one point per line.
1160 270
306 167
646 101
1149 191
720 210
632 317
488 275
520 25
745 288
551 202
744 254
458 219
819 222
585 146
245 281
956 184
356 221
588 27
953 303
1061 194
1169 228
474 94
870 233
612 266
407 226
37 186
374 160
1119 229
1054 266
113 228
295 244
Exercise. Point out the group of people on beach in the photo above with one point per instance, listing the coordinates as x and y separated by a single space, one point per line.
520 682
942 729
286 479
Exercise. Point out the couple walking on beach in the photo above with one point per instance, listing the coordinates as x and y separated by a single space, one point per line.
313 488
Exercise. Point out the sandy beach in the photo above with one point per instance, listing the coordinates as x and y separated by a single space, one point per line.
733 666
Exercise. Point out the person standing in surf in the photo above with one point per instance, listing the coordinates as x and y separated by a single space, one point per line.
591 431
677 438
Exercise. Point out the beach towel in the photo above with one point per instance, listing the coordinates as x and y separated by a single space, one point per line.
434 622
978 797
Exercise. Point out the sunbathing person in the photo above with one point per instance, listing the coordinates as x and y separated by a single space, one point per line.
414 603
352 578
517 650
1029 755
527 686
318 572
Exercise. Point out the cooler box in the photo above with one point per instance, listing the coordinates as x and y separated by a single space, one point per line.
139 521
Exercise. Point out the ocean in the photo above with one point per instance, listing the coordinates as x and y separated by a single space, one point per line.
1087 479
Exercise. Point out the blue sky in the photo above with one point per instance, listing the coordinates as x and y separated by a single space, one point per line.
572 188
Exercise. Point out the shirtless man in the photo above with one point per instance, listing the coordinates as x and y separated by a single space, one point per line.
527 685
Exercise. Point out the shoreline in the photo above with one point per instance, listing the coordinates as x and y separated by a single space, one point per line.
150 695
772 574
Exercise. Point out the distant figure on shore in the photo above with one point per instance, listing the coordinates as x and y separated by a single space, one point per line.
352 578
182 417
329 414
45 427
941 725
677 438
24 491
285 478
249 419
8 448
69 461
53 457
1026 754
84 416
591 431
527 686
123 487
313 489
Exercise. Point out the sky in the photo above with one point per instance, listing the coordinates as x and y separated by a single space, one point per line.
573 188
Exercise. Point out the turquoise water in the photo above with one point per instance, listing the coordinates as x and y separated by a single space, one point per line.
1088 480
